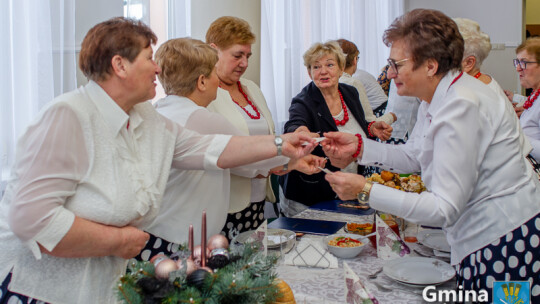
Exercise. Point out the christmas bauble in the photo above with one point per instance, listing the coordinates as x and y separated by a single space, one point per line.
197 277
217 241
218 261
197 254
190 265
164 267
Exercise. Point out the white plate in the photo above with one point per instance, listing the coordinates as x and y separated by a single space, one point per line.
419 271
434 239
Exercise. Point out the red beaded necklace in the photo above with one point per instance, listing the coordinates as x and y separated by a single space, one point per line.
529 102
477 75
257 113
345 112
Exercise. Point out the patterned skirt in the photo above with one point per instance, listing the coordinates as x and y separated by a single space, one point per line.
248 219
513 257
8 297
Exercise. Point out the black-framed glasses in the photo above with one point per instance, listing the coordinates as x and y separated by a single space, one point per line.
522 63
395 64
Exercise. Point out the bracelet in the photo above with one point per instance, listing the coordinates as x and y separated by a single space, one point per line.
369 129
355 155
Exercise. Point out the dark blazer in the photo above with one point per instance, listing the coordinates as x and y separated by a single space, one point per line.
309 109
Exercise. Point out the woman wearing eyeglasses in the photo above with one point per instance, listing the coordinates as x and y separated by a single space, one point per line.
528 67
466 144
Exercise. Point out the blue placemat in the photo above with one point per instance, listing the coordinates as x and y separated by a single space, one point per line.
306 225
348 207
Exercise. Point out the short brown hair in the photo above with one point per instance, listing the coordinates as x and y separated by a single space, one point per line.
116 36
350 50
429 34
227 31
532 46
182 61
318 50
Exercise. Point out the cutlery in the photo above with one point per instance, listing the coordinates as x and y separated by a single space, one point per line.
375 274
430 256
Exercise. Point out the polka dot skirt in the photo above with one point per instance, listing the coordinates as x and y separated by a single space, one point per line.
248 219
8 297
155 246
513 257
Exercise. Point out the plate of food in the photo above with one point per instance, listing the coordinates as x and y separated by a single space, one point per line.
404 182
359 228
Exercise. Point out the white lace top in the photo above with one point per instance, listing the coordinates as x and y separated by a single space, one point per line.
79 158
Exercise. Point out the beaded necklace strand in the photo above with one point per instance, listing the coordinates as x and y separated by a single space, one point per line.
531 99
345 112
257 113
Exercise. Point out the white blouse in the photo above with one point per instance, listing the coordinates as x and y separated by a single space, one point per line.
80 158
189 192
468 147
364 101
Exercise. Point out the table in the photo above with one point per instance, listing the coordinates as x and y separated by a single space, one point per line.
316 285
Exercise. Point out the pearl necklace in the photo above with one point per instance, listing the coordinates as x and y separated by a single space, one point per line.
345 112
529 102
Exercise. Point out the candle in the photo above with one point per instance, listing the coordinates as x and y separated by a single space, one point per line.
190 241
203 239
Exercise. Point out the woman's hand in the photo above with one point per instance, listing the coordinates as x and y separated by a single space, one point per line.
297 145
382 130
308 164
509 95
346 185
519 111
340 147
130 242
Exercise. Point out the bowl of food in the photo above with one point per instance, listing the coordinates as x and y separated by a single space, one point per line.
345 245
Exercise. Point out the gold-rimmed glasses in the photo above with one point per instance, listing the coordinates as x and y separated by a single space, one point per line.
395 64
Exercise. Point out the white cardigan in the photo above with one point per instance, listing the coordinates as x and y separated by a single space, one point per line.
241 186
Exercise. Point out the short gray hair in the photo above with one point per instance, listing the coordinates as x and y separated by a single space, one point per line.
477 43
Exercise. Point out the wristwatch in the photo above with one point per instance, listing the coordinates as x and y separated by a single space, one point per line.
279 143
363 196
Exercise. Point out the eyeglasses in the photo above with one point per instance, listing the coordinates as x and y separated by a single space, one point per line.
522 63
395 64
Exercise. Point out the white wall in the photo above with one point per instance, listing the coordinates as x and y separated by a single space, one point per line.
87 14
204 12
502 20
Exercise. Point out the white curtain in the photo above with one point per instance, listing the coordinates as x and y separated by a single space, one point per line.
179 14
39 63
290 27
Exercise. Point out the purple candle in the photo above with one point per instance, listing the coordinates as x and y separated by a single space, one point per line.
190 241
203 239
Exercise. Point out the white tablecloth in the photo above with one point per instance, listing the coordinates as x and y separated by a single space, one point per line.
316 285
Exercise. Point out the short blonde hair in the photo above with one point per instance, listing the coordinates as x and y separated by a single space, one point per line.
477 43
227 31
318 50
182 61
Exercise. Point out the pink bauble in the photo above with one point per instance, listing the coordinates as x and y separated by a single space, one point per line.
197 252
207 269
217 241
164 267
